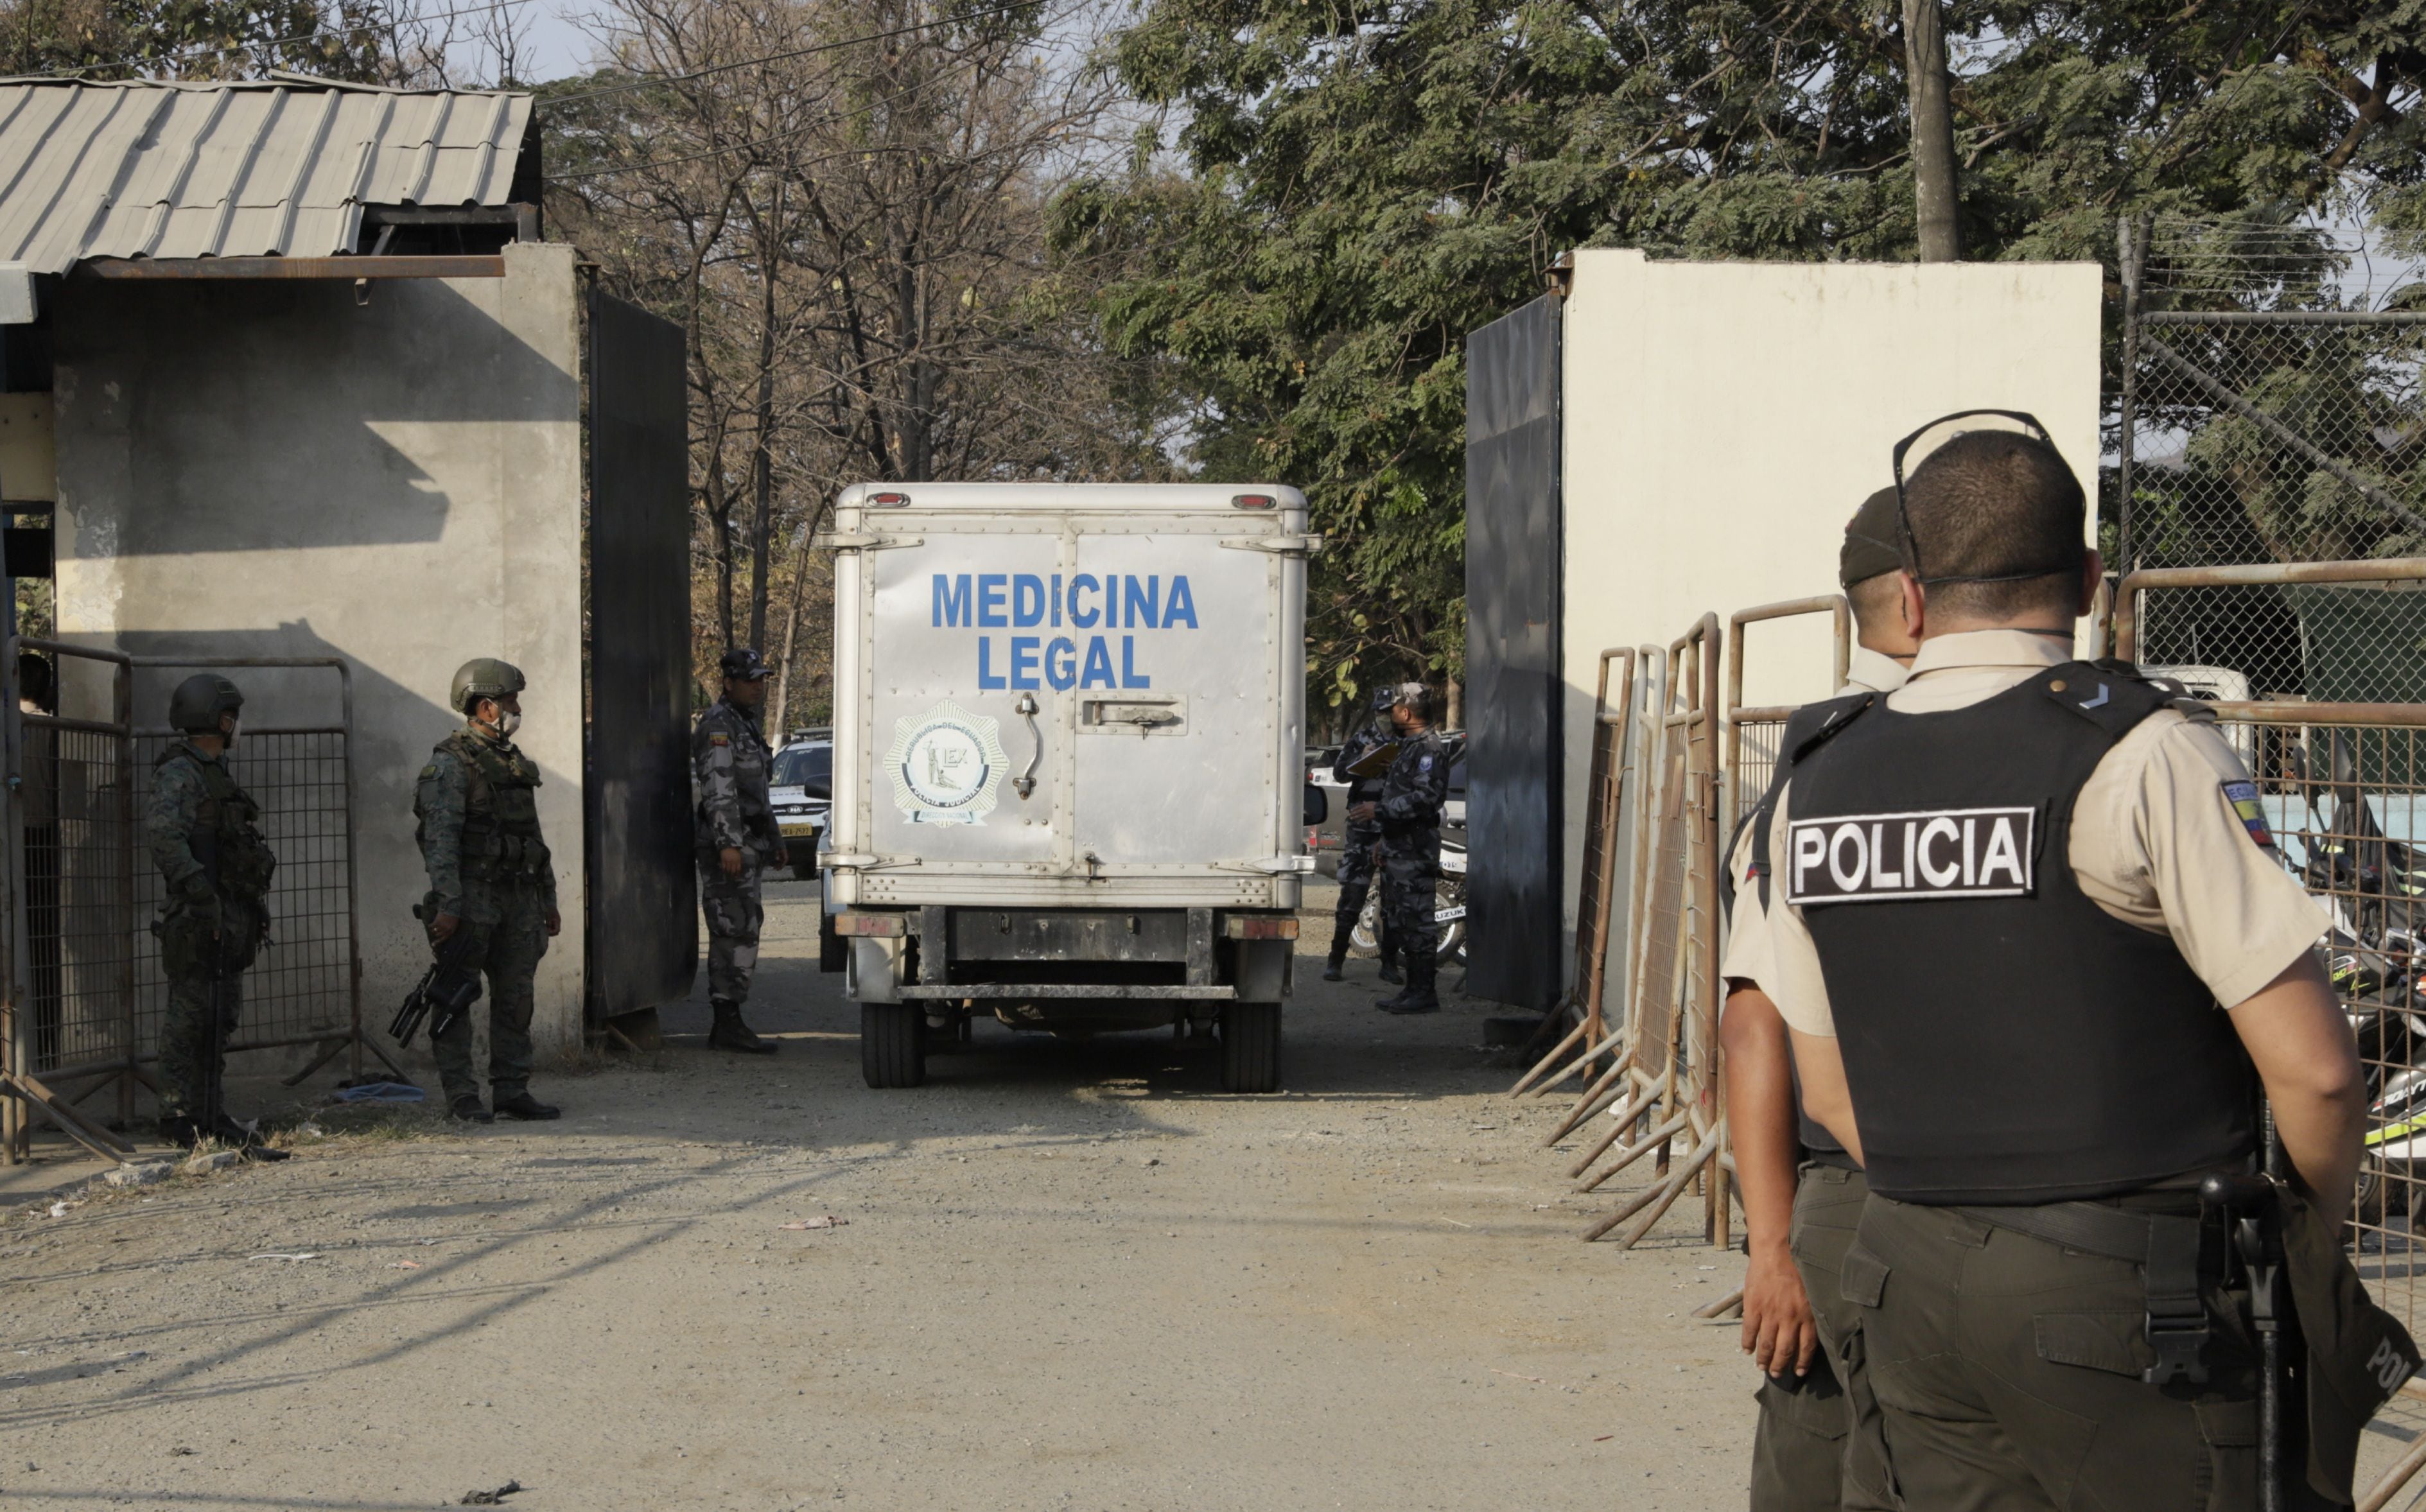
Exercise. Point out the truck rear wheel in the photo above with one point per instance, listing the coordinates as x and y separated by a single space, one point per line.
892 1044
1250 1047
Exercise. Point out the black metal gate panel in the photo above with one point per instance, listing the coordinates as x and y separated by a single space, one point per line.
1513 537
643 936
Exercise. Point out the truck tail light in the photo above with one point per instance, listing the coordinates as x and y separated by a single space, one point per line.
892 926
1253 501
888 501
1252 926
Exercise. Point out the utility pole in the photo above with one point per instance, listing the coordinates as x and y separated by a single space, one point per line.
1933 130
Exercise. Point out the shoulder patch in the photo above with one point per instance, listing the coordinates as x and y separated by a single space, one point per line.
720 740
2246 805
1424 766
430 771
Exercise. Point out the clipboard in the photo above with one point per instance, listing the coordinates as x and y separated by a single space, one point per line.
1376 761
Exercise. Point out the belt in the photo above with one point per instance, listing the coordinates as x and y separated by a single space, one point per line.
2165 1246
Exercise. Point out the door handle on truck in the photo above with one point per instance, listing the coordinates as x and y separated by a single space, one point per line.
1025 782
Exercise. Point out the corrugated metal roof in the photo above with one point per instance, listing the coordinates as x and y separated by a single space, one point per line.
144 169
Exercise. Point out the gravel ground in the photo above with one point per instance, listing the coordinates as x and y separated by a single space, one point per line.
1063 1274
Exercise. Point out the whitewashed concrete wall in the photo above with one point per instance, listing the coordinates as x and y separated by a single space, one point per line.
1723 420
268 468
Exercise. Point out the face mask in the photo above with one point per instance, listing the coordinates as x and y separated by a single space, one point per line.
507 723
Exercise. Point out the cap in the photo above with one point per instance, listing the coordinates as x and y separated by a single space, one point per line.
743 664
1869 541
1383 696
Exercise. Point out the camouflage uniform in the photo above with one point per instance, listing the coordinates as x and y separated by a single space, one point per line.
1412 796
478 810
730 761
1362 835
204 838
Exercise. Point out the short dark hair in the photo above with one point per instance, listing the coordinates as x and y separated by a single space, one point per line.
1874 598
1995 504
472 703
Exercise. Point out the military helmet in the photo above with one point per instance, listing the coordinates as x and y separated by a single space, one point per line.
485 677
744 664
196 705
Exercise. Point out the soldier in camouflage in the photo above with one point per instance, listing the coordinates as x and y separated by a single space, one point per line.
205 836
737 839
491 872
1409 809
1363 837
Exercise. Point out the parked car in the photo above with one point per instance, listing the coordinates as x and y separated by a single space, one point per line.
801 793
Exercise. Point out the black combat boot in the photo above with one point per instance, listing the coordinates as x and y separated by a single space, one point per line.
528 1108
730 1032
1333 970
469 1108
1420 997
1390 965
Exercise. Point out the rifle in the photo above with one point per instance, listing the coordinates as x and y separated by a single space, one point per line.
214 1046
2257 1237
446 991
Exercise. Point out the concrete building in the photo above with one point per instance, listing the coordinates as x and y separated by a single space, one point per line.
1665 438
313 385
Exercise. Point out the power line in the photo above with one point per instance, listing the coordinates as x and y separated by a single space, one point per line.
649 80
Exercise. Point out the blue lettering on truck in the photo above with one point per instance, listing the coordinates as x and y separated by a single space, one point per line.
1002 601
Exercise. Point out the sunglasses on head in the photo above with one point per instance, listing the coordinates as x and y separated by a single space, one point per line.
1917 447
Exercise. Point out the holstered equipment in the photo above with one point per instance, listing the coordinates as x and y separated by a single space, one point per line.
2166 1249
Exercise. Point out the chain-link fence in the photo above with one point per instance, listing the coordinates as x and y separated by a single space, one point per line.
85 995
2269 415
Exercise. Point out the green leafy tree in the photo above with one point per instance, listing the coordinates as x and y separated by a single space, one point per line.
1346 189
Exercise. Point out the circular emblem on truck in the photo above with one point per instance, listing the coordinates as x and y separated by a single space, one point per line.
947 765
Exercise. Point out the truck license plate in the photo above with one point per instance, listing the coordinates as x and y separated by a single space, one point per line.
801 832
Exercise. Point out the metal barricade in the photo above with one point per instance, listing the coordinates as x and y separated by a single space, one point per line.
2343 786
1754 731
86 992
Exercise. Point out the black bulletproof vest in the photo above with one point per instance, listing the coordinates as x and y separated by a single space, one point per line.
1817 1142
2005 1039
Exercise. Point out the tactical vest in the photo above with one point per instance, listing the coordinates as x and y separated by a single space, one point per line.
227 836
2005 1039
501 839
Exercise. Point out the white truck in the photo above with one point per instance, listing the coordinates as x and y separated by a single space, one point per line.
1068 764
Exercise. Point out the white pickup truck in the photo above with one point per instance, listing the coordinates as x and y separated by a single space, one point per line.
1068 770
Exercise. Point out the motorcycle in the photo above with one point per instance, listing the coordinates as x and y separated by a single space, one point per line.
1448 912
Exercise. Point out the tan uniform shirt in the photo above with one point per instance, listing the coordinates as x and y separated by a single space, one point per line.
1747 956
2153 840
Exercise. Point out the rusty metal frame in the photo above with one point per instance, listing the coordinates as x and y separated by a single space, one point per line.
1683 1094
1834 604
1611 727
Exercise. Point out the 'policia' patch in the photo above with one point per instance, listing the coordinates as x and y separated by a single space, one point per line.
1940 853
2244 800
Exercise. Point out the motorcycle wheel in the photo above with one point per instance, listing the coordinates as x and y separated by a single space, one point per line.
1364 941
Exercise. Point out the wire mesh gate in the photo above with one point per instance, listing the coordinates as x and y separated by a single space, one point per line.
85 995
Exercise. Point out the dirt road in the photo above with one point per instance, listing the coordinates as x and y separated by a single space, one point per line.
1066 1276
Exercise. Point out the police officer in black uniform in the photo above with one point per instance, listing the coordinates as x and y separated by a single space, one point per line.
1409 811
1362 840
2038 957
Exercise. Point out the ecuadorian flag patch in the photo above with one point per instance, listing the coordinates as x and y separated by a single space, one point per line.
2246 807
